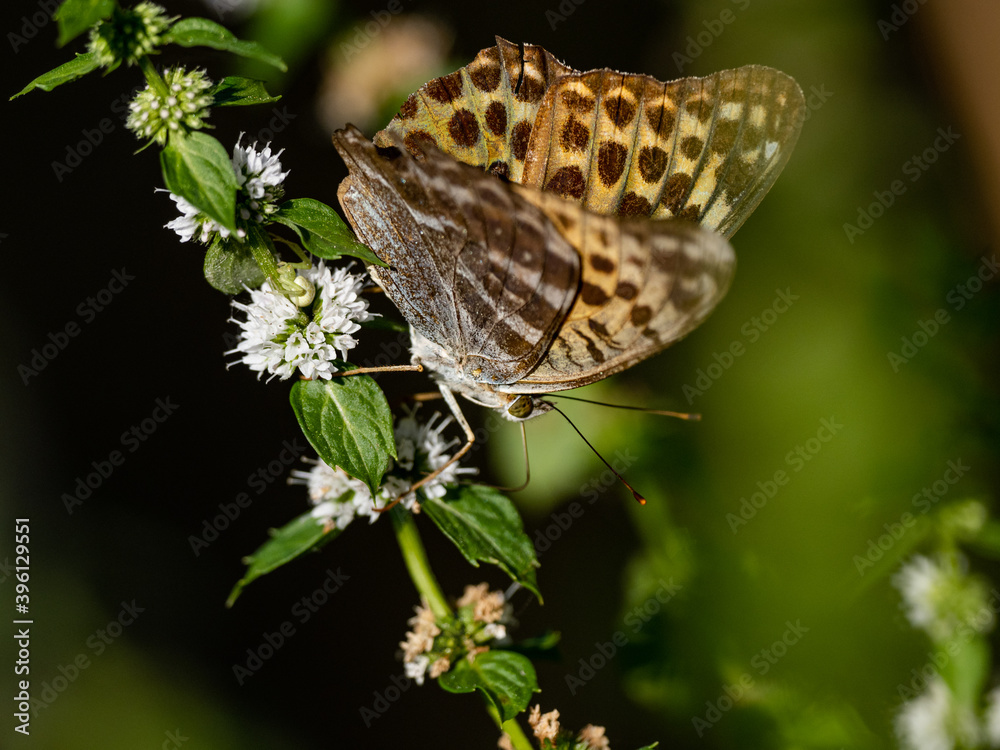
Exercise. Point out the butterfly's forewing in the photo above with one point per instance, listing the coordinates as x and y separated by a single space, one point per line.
474 267
702 149
482 114
644 285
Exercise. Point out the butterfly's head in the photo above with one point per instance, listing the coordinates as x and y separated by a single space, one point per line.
519 408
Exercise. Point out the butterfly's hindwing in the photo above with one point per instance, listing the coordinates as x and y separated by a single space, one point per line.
644 285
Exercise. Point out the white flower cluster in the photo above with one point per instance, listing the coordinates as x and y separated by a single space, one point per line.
279 338
339 498
186 104
259 176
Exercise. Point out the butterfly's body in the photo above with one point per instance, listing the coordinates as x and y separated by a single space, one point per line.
545 228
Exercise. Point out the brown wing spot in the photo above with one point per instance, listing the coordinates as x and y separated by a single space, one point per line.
574 100
611 162
640 315
417 141
519 139
596 354
485 77
597 327
602 237
626 291
700 108
445 89
500 169
676 190
567 182
690 213
463 128
661 120
566 221
409 107
620 110
602 263
575 135
753 138
593 295
496 118
691 147
634 205
652 163
724 136
532 89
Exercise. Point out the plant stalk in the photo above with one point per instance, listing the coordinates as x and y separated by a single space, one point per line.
416 561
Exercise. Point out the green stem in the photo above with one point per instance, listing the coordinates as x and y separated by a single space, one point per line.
152 77
416 561
512 729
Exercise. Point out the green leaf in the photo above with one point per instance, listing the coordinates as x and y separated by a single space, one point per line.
70 71
322 230
236 91
197 168
287 543
505 678
200 32
230 265
347 421
485 526
76 16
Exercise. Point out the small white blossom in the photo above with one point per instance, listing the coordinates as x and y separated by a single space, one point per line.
259 177
932 721
991 720
417 668
421 448
154 115
939 597
279 337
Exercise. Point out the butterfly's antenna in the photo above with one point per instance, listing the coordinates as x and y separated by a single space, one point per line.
636 495
660 412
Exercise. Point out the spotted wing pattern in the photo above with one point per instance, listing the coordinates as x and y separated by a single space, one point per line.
482 114
701 149
644 285
474 267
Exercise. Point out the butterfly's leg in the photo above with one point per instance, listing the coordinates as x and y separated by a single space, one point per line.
470 438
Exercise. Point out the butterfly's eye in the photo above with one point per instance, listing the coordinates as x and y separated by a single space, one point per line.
521 407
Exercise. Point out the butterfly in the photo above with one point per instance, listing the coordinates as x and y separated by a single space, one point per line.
545 228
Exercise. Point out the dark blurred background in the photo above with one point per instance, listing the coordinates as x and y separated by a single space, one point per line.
882 84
